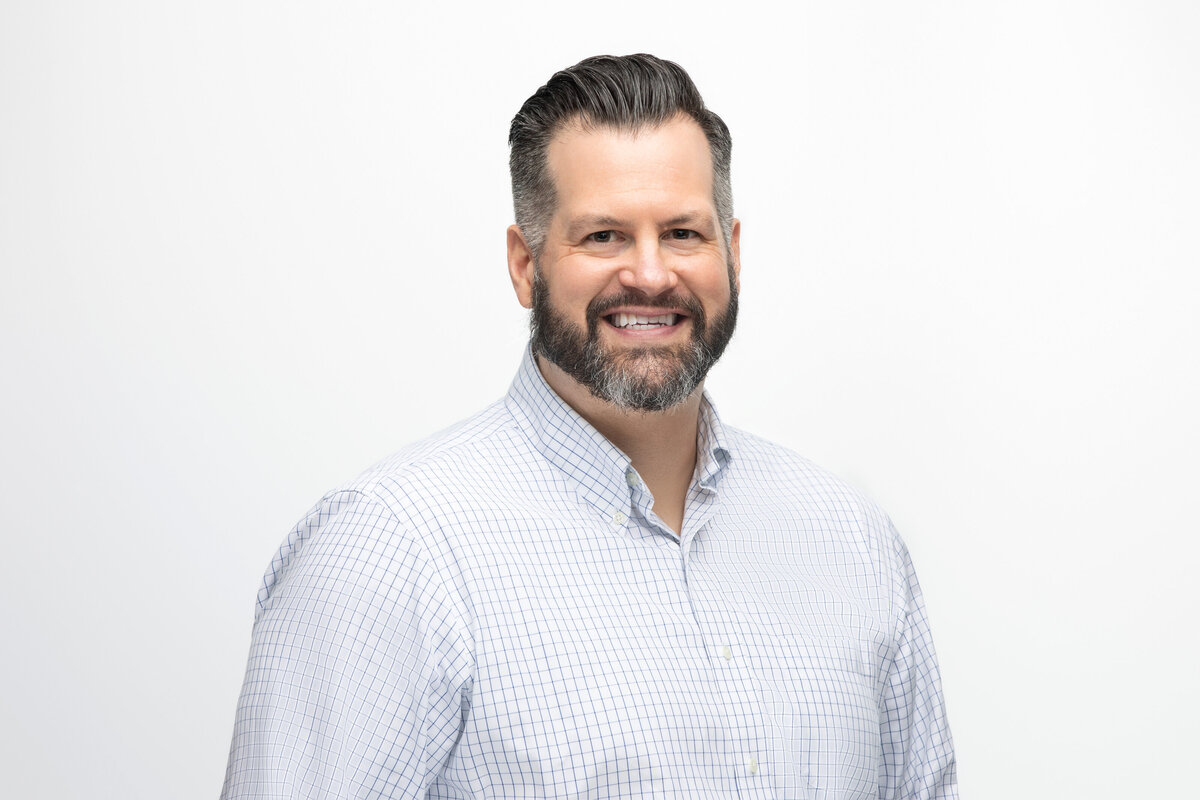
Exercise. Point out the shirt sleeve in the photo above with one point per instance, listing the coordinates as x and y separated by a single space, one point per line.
360 666
918 752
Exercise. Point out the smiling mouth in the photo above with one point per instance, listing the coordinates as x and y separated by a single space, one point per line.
642 322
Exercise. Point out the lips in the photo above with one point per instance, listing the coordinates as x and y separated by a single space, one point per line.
633 313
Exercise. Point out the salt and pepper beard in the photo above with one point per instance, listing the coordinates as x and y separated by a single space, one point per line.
647 378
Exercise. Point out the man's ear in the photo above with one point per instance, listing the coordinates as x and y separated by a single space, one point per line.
735 247
520 266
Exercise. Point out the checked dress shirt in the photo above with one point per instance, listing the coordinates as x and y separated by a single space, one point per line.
497 612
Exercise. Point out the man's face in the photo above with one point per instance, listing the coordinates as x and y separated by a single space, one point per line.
635 294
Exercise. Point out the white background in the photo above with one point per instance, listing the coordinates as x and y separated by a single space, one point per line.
247 249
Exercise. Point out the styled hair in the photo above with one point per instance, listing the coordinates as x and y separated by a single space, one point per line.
628 93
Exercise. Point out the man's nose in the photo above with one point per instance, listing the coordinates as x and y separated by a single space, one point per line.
649 270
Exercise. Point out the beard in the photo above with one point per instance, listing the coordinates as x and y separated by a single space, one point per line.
640 378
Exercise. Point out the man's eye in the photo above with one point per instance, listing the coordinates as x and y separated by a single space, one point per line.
682 233
602 237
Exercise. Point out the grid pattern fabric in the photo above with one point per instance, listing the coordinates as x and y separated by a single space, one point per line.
497 612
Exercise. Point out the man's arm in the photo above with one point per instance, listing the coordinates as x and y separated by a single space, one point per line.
918 752
359 664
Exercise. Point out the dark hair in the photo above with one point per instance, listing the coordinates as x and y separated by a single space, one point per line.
623 92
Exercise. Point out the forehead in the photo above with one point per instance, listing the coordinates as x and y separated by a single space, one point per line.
614 171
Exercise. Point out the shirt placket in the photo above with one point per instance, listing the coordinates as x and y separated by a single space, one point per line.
748 762
725 751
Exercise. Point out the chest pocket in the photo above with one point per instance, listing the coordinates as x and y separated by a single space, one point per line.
820 699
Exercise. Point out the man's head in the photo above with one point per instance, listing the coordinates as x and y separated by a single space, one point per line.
625 248
626 93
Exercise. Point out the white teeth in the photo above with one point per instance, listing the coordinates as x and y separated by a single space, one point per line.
643 321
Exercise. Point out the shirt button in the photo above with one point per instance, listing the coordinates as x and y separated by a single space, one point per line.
631 477
752 766
726 653
619 518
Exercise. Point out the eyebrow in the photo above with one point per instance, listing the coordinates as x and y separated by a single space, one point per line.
694 218
592 222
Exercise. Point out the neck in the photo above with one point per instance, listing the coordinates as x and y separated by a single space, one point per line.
661 444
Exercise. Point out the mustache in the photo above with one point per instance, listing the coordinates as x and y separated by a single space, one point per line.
632 297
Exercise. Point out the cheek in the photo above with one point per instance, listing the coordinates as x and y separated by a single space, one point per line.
580 282
711 285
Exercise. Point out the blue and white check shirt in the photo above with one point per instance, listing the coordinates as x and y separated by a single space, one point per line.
496 612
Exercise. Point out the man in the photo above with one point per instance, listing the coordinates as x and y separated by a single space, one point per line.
594 588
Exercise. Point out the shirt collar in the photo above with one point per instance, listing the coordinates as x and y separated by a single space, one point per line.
712 449
590 461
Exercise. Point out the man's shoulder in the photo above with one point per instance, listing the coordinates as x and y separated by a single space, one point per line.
390 508
775 488
380 517
762 453
767 458
449 461
796 484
